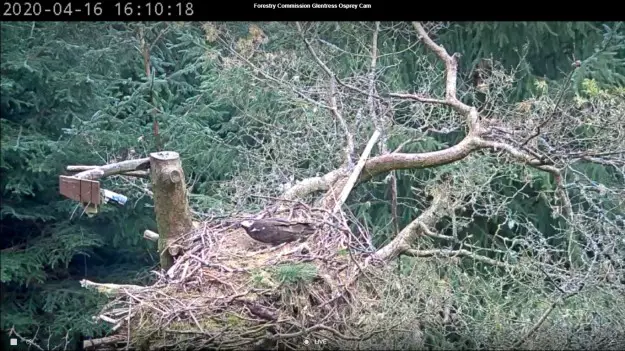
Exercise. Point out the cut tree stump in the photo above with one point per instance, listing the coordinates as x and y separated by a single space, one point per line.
173 217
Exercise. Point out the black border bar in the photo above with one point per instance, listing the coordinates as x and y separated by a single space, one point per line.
271 10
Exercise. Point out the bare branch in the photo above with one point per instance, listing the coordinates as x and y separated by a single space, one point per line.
313 53
419 98
451 73
353 178
401 243
395 161
114 168
113 339
383 164
312 185
275 80
29 342
457 253
543 317
349 148
109 288
137 174
533 162
333 105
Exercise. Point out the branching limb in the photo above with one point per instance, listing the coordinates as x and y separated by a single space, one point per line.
401 243
396 161
383 164
29 342
451 75
523 157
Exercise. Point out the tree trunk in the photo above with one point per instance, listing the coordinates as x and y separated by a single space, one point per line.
170 204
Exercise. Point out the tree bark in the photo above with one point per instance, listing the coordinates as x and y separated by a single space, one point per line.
173 217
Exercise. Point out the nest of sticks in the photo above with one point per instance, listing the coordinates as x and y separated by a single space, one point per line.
228 291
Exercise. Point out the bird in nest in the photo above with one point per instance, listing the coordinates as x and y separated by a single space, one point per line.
277 231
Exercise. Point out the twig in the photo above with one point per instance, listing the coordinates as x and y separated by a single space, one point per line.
457 253
555 108
542 318
333 106
128 327
27 341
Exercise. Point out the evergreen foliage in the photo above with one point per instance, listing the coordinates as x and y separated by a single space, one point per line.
71 97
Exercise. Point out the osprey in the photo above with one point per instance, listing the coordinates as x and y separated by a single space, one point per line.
276 231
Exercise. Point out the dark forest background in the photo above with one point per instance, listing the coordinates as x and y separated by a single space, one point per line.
79 94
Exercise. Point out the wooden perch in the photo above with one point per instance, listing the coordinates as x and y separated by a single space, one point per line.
173 216
150 235
138 174
84 188
98 172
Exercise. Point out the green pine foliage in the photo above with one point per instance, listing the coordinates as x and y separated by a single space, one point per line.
543 50
68 97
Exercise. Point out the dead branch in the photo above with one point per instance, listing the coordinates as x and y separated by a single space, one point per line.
396 161
401 243
349 149
457 253
107 319
109 289
29 342
114 168
451 74
311 185
386 163
138 174
351 181
113 339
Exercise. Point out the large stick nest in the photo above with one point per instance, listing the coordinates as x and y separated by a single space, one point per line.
230 292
